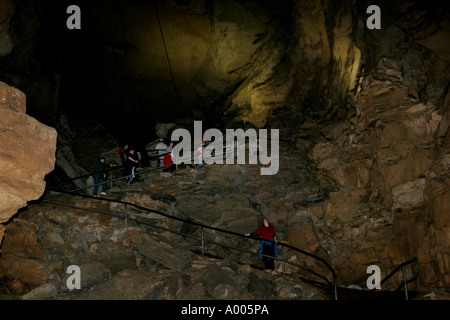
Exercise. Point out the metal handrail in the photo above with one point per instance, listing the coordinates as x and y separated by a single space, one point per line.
327 265
202 239
405 281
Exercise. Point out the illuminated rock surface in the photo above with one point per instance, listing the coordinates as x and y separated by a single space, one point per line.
27 154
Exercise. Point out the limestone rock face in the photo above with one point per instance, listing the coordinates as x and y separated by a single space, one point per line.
382 155
387 169
27 153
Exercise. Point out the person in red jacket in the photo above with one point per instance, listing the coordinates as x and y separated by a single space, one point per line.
268 245
169 166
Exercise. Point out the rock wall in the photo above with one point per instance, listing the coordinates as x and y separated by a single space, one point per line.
304 64
6 38
387 172
27 65
386 167
369 110
27 154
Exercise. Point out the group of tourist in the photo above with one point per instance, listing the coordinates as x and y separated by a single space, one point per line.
100 173
131 159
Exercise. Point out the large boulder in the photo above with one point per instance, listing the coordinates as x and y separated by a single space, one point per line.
27 154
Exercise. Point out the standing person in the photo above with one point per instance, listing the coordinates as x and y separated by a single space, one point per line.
268 244
131 163
100 175
174 166
169 166
123 153
169 147
161 148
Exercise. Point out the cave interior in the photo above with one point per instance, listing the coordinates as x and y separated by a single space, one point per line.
314 70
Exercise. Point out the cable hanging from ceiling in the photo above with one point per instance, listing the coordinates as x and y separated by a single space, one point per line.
167 56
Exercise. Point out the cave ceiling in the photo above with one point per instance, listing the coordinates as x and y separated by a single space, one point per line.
135 63
149 59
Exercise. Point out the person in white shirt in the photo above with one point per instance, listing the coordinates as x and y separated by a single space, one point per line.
161 148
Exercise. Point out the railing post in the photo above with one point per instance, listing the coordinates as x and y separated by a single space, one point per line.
335 287
405 283
283 259
126 216
203 242
111 179
417 272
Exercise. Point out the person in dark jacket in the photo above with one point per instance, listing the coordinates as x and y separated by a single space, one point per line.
131 162
100 175
268 246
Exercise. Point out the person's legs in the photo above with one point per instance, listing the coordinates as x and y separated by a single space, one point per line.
103 185
268 262
126 173
131 179
96 182
200 163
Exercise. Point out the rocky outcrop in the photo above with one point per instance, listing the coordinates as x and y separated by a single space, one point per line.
28 153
